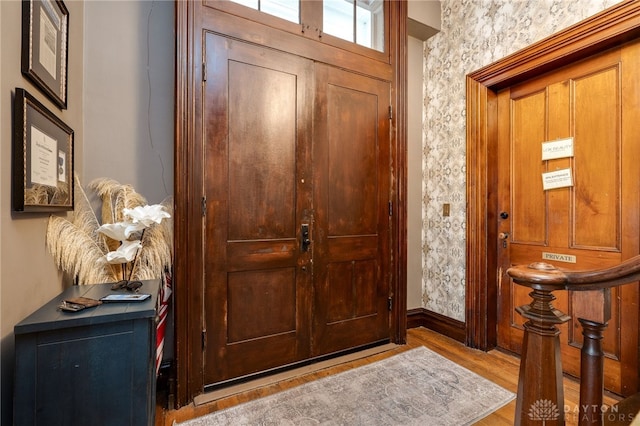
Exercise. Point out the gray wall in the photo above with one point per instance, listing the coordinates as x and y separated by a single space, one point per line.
414 173
28 276
129 94
120 106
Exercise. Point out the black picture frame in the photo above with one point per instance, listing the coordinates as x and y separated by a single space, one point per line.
45 48
42 158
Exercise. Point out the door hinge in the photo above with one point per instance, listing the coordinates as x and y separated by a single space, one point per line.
204 340
204 206
390 303
204 71
390 208
390 112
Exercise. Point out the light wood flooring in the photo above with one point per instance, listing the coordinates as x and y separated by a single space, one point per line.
499 367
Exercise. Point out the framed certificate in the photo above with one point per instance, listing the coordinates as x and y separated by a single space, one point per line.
42 158
45 37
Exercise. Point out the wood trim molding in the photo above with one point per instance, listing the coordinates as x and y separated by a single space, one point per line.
399 11
180 210
609 28
481 288
421 317
187 244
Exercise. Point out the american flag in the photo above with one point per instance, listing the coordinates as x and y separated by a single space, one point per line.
163 309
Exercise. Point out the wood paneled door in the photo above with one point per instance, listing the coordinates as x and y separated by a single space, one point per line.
290 183
352 178
296 176
591 220
256 116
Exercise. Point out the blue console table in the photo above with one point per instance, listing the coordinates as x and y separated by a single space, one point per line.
93 367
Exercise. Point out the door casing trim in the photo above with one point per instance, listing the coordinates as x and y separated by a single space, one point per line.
609 28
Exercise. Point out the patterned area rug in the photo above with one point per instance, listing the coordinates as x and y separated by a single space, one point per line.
416 387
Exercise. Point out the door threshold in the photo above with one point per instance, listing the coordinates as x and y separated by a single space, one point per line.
211 396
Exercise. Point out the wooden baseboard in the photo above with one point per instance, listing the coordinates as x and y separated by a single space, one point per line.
421 317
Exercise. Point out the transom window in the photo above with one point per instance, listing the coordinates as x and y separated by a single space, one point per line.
360 21
285 9
357 21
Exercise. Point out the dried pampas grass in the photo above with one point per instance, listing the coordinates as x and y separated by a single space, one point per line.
115 197
78 249
84 218
76 253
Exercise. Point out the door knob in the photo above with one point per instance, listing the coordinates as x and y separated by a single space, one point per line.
504 215
503 236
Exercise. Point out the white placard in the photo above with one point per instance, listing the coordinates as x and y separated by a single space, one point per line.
561 148
558 257
44 158
558 179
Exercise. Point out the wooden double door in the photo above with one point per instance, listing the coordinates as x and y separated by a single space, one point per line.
296 177
592 220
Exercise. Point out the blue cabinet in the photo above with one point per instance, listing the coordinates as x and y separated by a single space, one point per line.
92 367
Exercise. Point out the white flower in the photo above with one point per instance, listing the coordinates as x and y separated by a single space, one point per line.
141 218
120 231
147 215
125 253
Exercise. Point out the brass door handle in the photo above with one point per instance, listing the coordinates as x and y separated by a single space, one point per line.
503 236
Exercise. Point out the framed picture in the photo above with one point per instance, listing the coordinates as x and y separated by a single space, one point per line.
45 37
42 158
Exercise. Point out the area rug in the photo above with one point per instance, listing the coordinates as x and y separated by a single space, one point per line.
416 387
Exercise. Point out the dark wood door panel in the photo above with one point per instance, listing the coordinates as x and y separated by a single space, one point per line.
357 298
351 247
351 196
256 302
237 361
252 297
352 161
254 255
262 143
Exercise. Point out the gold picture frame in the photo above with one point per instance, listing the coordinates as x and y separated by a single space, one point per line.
45 48
42 158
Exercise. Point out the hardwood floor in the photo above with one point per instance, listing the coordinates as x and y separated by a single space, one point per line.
499 367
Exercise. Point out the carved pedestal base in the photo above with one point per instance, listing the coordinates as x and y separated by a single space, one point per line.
540 392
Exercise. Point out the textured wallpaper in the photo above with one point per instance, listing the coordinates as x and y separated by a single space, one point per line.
474 33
